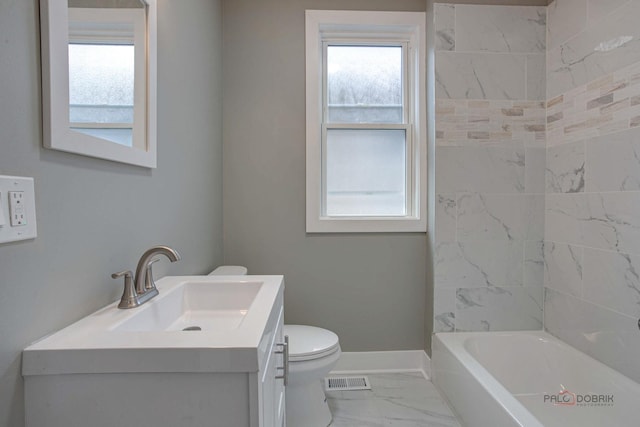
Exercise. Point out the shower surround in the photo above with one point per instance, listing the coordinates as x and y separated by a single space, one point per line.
490 155
592 230
538 173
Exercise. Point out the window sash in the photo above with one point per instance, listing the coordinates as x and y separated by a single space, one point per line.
381 42
406 124
409 166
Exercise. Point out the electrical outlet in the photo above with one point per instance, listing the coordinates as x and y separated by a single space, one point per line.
17 209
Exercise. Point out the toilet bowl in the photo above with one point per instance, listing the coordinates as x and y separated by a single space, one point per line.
313 352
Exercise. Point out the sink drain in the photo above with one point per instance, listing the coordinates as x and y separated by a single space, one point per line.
192 328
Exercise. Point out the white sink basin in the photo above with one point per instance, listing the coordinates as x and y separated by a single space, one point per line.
198 306
225 315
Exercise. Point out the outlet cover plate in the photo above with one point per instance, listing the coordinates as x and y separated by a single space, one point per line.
9 233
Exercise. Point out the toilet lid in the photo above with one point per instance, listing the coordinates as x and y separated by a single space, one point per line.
309 342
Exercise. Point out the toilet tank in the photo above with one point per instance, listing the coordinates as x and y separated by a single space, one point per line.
229 270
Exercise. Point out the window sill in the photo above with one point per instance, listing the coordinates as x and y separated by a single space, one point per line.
360 225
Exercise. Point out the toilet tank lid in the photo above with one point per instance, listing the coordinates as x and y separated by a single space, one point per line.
229 270
305 341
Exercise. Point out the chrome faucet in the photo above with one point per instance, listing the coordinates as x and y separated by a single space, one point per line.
143 288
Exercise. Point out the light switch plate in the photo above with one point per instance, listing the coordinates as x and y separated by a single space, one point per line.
20 216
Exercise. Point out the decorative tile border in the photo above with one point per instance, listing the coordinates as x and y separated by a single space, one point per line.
462 122
606 105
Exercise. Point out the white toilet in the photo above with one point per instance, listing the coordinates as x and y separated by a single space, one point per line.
313 352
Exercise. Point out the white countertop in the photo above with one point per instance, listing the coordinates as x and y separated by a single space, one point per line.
91 345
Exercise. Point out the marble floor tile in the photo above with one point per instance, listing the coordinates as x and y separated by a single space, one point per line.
395 399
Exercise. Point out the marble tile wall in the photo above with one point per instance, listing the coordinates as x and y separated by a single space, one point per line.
538 173
490 167
589 39
591 246
490 52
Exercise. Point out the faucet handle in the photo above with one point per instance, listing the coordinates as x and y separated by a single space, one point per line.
129 296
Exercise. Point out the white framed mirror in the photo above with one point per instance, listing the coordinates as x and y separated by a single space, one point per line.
99 78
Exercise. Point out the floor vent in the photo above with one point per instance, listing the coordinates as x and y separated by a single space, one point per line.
346 383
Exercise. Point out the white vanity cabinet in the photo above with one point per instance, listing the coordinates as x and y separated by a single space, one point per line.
272 382
191 380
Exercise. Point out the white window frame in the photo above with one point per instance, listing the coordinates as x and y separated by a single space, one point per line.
374 28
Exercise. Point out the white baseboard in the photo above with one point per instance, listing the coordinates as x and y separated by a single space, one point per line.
384 361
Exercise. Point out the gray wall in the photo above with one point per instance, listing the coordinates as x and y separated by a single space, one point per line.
368 288
96 217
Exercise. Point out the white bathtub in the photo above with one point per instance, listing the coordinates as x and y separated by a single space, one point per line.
503 379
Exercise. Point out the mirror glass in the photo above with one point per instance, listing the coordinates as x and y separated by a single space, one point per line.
106 45
100 95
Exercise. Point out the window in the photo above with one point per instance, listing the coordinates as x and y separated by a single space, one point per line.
366 121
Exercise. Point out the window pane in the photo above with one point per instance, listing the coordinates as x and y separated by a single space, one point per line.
364 84
365 172
101 79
